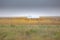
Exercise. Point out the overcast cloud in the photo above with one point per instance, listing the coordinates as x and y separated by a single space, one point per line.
30 8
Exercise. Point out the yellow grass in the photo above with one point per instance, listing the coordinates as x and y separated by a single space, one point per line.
30 21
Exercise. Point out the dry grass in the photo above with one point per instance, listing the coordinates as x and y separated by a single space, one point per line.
18 21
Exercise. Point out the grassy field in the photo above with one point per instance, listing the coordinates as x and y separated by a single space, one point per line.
29 32
27 21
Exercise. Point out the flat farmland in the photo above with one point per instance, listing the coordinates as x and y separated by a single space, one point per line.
30 28
32 21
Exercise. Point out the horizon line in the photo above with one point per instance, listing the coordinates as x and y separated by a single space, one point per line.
26 16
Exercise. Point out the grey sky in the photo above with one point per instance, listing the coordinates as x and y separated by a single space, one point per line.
34 8
31 2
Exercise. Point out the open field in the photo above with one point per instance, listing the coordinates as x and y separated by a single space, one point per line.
29 32
30 28
33 21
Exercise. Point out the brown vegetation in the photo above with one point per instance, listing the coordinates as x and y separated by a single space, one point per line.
25 20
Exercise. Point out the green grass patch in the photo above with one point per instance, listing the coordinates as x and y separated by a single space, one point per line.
39 32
